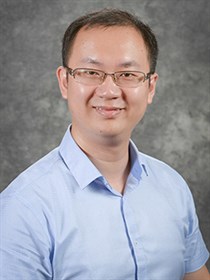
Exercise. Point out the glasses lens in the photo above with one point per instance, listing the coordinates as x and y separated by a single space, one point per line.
96 77
129 79
88 76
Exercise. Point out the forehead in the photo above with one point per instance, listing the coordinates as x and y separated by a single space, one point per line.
109 45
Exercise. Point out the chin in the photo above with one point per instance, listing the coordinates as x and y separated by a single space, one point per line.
113 132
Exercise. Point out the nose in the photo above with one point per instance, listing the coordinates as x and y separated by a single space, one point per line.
108 89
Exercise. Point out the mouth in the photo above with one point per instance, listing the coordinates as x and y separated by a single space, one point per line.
108 112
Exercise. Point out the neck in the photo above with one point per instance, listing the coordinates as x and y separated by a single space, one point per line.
111 157
115 170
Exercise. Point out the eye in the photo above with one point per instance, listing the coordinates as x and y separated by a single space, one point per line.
128 75
91 73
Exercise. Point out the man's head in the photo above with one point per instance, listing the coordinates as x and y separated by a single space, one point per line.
107 76
107 18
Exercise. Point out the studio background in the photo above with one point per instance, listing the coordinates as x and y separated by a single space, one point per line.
34 117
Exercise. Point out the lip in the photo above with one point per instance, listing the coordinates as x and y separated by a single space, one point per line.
108 111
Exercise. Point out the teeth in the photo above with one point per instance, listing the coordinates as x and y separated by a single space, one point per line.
98 108
101 108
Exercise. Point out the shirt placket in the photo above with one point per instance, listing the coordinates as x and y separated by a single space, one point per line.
133 235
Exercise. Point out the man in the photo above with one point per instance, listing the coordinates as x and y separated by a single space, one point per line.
95 207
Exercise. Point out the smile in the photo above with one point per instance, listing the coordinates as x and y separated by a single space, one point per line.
108 112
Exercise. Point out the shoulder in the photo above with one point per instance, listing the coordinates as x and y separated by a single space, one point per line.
165 178
159 168
45 169
39 192
167 183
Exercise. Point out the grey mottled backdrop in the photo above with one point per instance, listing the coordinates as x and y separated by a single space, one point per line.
33 117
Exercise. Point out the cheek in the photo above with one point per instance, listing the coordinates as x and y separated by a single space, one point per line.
78 96
138 98
74 88
138 101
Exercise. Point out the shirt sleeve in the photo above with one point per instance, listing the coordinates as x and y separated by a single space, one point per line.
196 253
24 244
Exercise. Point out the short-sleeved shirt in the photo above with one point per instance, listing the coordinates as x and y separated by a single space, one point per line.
61 220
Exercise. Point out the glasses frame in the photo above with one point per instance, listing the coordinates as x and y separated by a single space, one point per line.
105 74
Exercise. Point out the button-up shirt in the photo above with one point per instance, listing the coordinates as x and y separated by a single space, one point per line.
61 220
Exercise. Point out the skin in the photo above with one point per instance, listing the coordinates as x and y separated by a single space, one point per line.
104 116
201 274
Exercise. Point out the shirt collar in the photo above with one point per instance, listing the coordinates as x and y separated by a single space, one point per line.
76 160
79 164
138 163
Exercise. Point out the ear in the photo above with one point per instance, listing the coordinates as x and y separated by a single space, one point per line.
62 77
152 87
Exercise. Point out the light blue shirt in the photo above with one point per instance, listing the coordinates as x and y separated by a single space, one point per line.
61 220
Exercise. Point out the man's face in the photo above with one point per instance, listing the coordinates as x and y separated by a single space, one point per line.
107 110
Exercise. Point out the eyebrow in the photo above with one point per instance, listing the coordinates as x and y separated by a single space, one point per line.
129 63
91 61
125 64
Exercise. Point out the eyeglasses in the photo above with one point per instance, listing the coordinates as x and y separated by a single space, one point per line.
94 77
